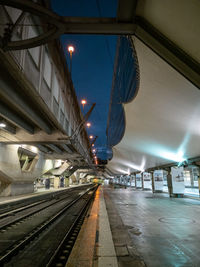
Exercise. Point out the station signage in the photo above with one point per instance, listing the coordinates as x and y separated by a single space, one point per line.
138 180
158 180
147 180
178 180
132 180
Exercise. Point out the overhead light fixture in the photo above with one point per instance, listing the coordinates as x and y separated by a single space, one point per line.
2 125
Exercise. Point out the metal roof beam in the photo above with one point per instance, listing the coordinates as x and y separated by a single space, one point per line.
126 10
54 148
43 148
66 148
10 91
14 118
168 51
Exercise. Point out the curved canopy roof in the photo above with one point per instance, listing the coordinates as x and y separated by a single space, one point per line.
163 121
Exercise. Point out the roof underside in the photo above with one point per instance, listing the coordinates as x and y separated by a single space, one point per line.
163 121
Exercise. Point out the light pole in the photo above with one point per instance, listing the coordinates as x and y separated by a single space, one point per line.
83 102
71 50
88 124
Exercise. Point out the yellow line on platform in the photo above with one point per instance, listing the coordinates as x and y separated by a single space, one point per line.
83 252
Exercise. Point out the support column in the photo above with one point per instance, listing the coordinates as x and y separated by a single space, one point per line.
135 182
66 182
199 182
169 182
56 182
125 182
142 181
191 178
152 180
131 179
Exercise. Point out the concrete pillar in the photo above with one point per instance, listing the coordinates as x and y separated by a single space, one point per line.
191 177
66 182
3 186
70 180
135 181
78 177
11 171
56 182
169 182
152 180
127 180
142 180
131 178
199 182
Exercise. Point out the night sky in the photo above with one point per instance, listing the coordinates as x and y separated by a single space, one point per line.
92 63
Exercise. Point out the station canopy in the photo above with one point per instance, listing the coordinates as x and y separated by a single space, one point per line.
159 120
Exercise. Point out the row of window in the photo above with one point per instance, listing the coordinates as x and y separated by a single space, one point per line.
50 89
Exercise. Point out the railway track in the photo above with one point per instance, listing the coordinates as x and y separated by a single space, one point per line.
23 204
18 215
44 235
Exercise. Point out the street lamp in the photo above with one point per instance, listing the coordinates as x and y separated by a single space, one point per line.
71 50
91 136
83 102
88 124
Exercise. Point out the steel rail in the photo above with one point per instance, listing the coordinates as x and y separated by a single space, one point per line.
11 212
19 245
81 214
22 203
22 217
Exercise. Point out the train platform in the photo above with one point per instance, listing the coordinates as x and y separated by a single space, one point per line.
40 191
94 245
128 227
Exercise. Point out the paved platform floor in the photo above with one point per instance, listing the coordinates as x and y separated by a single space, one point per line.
153 230
94 246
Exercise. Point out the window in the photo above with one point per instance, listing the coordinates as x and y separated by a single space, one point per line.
35 52
47 69
26 159
55 87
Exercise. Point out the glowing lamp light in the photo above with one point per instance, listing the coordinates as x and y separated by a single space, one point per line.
93 150
70 49
2 125
88 124
83 102
91 136
92 144
177 157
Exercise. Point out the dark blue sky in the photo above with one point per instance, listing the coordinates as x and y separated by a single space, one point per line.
93 59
